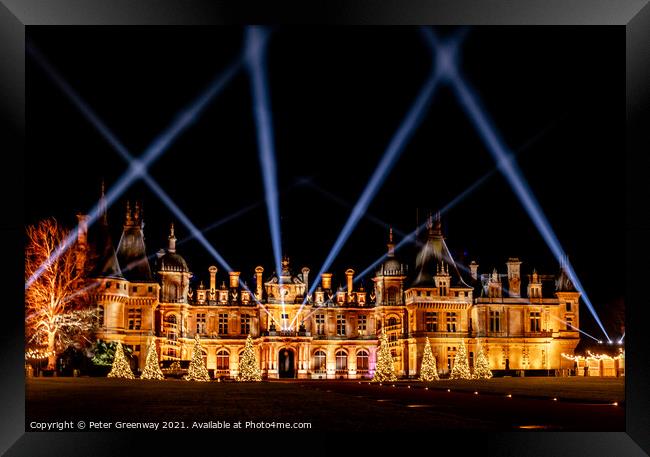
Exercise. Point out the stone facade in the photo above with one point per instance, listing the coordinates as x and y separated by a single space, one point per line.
333 333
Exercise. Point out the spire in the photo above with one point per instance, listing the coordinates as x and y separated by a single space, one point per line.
102 205
137 214
128 220
437 225
285 266
390 245
172 239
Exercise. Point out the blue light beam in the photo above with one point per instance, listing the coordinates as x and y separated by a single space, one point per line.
455 201
144 175
469 100
137 166
256 41
576 328
395 147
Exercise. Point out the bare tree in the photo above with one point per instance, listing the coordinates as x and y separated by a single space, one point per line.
56 314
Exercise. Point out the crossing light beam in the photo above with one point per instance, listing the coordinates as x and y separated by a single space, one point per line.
397 144
469 101
138 166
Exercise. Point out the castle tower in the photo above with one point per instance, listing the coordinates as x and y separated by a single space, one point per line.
107 264
389 278
174 273
131 251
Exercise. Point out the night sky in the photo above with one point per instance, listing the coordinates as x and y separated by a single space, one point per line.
556 94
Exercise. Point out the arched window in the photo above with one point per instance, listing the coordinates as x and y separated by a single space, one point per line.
320 360
223 360
170 326
341 360
391 296
392 321
362 360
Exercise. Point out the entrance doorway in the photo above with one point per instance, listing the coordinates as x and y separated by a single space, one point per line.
286 368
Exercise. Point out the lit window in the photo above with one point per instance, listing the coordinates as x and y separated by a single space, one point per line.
451 322
569 322
535 318
341 361
340 325
200 323
134 318
223 360
362 361
170 324
451 353
431 321
245 324
391 296
495 321
362 324
223 324
320 324
320 361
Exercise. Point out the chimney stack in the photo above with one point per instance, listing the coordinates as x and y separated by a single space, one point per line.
514 277
327 281
82 230
349 275
234 279
305 277
82 239
258 282
213 278
473 267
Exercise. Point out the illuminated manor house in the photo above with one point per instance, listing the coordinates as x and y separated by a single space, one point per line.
522 323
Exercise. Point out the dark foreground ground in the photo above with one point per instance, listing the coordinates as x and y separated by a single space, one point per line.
583 404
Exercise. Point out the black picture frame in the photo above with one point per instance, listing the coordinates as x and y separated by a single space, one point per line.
634 15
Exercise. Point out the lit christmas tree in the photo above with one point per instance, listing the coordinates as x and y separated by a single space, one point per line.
461 364
482 366
121 367
385 368
197 370
428 370
152 369
249 368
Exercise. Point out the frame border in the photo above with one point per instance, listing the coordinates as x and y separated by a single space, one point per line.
634 15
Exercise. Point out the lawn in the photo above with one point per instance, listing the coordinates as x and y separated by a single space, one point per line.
594 389
583 403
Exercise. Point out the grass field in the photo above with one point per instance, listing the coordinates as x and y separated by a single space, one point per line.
574 388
